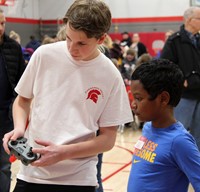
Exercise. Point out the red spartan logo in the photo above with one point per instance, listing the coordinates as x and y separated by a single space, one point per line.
93 95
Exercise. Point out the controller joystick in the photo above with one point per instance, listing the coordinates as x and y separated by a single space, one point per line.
13 143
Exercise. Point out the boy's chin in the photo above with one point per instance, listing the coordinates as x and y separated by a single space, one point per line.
76 58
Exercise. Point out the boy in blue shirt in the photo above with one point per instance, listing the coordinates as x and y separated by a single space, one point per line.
166 157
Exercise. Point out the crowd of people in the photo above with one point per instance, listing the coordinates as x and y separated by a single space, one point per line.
34 43
126 53
98 108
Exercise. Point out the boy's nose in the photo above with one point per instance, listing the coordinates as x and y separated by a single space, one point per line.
133 105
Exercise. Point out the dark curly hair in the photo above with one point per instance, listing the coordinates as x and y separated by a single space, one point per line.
160 75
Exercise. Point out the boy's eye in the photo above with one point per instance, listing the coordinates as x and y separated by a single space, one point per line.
138 98
79 43
82 43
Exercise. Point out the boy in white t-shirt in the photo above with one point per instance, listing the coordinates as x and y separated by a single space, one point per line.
74 90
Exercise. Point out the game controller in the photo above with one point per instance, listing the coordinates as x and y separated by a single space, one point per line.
22 151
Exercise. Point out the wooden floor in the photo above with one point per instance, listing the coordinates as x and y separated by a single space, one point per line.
116 163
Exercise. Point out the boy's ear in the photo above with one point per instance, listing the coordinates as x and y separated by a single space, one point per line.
101 39
165 97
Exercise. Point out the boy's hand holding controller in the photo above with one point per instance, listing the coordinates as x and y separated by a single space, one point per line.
22 150
49 151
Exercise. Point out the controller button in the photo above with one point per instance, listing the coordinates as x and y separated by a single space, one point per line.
30 154
13 142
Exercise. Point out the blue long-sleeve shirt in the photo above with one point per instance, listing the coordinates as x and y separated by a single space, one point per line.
165 159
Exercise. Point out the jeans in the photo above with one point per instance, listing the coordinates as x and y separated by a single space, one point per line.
6 125
99 164
188 113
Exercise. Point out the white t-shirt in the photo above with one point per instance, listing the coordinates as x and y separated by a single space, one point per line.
72 99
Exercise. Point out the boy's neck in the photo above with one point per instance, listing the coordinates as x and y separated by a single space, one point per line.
165 120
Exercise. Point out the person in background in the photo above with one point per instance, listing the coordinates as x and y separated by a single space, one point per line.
116 52
183 48
107 45
12 66
168 33
61 34
72 100
137 45
115 62
166 36
128 65
47 40
33 43
143 58
104 49
108 42
15 36
166 157
126 39
27 52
